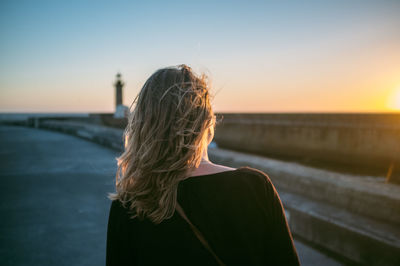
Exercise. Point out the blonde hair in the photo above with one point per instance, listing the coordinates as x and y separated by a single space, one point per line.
164 138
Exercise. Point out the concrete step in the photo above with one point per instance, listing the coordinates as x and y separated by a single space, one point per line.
357 238
311 256
368 196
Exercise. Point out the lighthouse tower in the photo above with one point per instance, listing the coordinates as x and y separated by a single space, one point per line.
121 111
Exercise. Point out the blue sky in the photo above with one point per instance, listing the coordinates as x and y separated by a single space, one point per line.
261 56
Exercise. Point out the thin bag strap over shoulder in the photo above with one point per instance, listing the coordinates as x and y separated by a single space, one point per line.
198 234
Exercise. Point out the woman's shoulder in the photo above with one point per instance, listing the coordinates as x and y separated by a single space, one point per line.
243 177
252 171
243 172
254 174
118 209
121 214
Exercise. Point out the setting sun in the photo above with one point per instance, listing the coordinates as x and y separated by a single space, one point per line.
394 100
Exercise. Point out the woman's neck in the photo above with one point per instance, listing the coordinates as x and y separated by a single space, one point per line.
204 157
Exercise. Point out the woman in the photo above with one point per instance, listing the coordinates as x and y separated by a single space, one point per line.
172 205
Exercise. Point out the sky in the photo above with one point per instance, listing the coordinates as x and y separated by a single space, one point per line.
260 56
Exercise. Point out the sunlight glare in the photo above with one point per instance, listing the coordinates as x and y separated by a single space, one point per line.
394 100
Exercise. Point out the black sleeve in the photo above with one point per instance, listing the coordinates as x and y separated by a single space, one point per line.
283 250
119 250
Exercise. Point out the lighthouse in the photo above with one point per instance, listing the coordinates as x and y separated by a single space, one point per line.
121 111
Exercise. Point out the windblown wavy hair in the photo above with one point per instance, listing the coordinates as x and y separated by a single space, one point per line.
164 138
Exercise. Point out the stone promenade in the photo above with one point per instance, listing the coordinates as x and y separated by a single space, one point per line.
54 204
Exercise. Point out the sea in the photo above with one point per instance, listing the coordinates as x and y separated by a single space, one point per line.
25 116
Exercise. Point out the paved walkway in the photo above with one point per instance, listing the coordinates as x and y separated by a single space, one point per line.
53 204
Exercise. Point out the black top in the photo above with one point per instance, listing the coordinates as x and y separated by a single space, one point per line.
238 212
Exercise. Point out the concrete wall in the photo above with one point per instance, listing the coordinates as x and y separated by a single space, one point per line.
105 119
362 140
369 144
